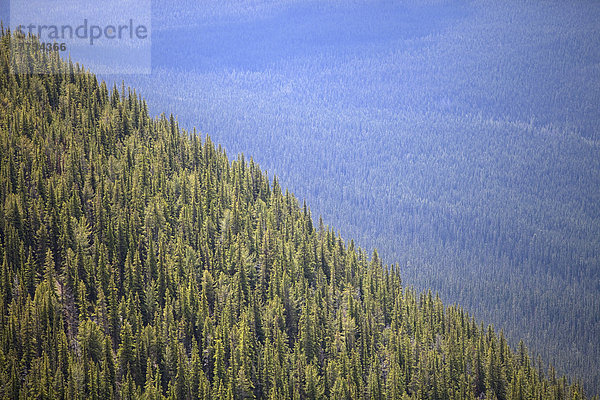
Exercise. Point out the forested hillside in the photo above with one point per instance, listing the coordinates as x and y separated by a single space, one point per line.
458 137
138 261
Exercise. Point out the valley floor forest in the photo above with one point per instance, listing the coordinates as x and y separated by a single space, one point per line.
138 261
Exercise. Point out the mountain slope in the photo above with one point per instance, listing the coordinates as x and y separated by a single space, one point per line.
139 261
459 138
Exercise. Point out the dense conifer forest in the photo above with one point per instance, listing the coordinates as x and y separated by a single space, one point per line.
458 137
139 261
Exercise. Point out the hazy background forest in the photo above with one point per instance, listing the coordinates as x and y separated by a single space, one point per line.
460 138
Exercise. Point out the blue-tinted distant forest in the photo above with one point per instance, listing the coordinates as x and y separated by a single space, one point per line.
460 138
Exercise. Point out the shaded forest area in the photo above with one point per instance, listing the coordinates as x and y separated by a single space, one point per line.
459 138
138 261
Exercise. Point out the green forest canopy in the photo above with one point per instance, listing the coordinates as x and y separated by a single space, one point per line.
138 261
